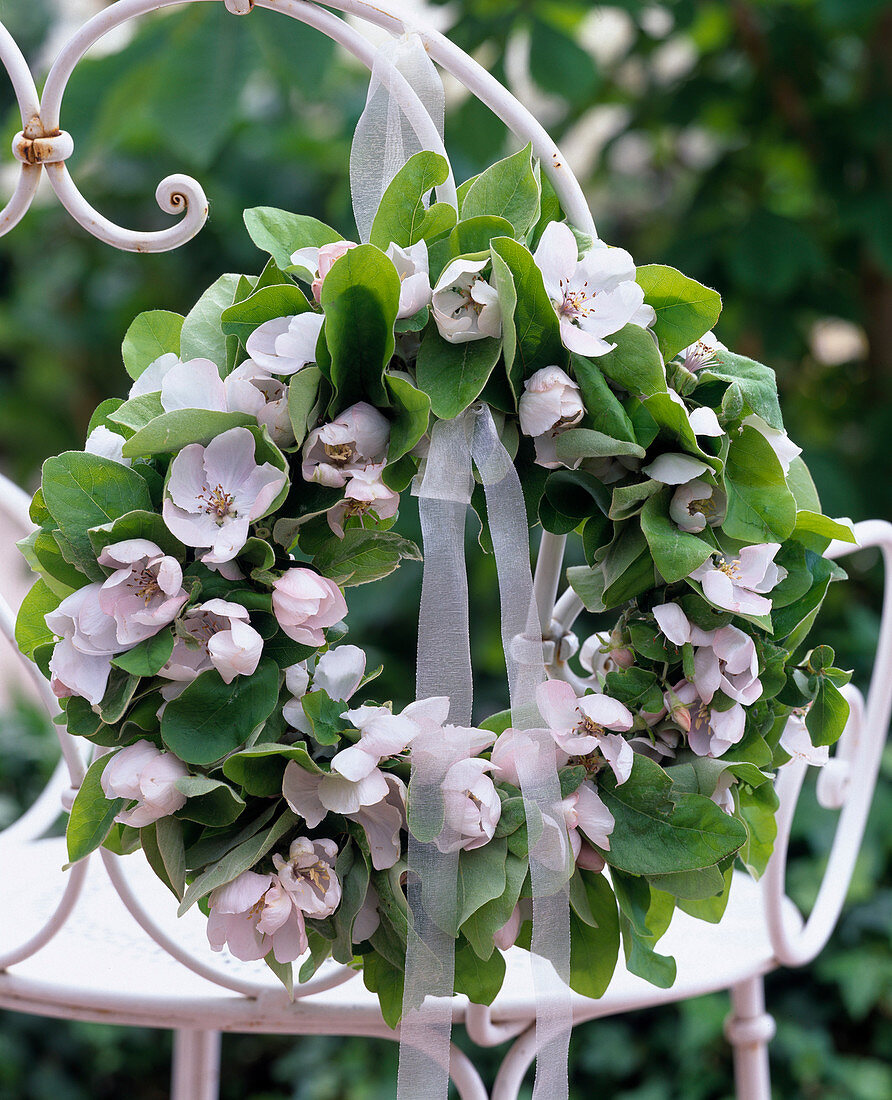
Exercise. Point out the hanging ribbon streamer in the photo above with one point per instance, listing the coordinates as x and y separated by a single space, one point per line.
390 130
444 668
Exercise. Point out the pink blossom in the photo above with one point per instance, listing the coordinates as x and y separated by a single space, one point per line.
254 914
701 353
319 261
585 813
697 504
152 377
81 660
250 389
784 447
737 585
309 876
796 742
286 345
472 806
412 266
506 936
465 306
548 406
594 296
221 638
305 604
724 660
106 444
579 726
713 731
312 795
357 438
214 493
338 673
144 593
144 774
365 493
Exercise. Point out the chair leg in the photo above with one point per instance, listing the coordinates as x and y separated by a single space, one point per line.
196 1065
749 1029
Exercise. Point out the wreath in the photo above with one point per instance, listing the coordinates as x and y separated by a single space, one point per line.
193 562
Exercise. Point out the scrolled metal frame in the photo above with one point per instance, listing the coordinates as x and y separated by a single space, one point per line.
41 146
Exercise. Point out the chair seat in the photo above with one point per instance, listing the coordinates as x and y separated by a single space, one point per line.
103 966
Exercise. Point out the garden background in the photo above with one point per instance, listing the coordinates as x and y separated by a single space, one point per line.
746 142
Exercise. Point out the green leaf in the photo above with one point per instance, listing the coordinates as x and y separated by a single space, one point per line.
162 843
240 858
324 714
202 336
148 657
473 235
481 877
281 234
627 566
676 553
402 217
656 834
573 492
412 407
172 431
691 885
815 523
303 394
259 770
481 926
360 297
137 412
383 978
760 506
453 375
266 304
352 869
504 284
757 383
83 491
594 948
635 362
828 714
575 444
150 336
138 524
31 630
209 801
478 979
685 310
709 909
364 555
758 807
588 584
508 189
211 718
538 332
604 411
92 814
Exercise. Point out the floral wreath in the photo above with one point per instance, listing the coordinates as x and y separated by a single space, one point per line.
193 560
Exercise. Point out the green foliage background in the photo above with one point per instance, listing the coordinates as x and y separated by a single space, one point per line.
748 144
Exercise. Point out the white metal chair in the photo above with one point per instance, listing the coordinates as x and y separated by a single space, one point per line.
101 941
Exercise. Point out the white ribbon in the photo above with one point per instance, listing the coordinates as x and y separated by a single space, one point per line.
444 668
404 114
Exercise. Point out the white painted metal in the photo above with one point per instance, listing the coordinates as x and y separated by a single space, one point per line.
94 927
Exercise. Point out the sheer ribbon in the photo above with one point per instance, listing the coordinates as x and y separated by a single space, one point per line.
444 668
393 128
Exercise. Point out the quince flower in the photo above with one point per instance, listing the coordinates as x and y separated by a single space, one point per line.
365 492
308 875
222 638
338 673
594 296
701 353
796 742
153 376
548 406
712 731
214 493
579 726
254 914
106 444
465 306
285 345
697 504
144 774
355 439
144 593
305 603
411 264
585 813
738 585
724 660
319 261
81 660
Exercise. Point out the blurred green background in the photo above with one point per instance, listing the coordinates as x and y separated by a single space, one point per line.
746 142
